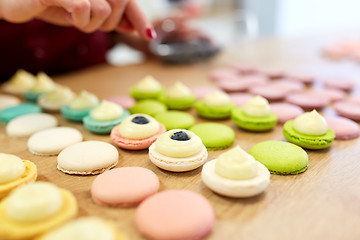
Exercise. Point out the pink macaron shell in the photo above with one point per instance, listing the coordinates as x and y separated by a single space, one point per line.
332 95
301 77
307 101
176 215
221 73
124 101
272 73
354 99
348 109
124 187
202 91
134 144
245 68
344 128
288 85
243 83
338 83
239 99
285 111
269 92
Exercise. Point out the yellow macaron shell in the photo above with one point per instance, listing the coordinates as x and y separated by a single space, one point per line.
178 149
85 228
178 90
11 168
148 84
106 111
236 164
131 130
84 100
217 99
311 123
34 208
257 106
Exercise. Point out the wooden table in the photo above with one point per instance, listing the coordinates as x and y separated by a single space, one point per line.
322 203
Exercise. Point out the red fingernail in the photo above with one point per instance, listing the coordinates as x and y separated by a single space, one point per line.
151 32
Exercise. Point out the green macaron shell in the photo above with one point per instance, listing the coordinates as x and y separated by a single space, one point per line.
307 141
281 158
210 112
74 114
175 119
103 127
178 103
7 114
215 136
140 95
253 123
32 96
148 106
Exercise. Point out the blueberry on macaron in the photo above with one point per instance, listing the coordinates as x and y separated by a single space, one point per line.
140 120
180 136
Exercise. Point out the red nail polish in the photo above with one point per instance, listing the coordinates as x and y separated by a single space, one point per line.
151 32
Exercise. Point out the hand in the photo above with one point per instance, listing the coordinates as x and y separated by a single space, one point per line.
86 15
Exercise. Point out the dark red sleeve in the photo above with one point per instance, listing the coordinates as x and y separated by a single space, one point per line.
38 46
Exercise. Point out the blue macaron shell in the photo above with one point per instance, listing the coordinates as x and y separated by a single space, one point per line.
7 114
103 127
74 114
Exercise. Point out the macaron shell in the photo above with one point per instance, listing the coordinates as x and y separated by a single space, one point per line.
307 101
8 101
202 91
134 144
7 114
280 157
74 115
209 112
285 111
345 129
103 127
175 214
235 188
87 158
149 106
124 101
132 185
348 109
52 141
26 125
175 119
178 103
253 123
17 230
174 164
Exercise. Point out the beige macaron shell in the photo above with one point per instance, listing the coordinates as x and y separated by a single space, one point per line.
52 141
178 164
86 158
28 124
8 101
235 188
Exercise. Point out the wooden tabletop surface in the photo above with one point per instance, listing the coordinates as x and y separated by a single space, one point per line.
321 203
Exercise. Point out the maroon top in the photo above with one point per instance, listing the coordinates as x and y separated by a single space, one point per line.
38 46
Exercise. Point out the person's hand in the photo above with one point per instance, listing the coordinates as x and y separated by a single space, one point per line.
86 15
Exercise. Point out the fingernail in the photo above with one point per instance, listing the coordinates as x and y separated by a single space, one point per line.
151 32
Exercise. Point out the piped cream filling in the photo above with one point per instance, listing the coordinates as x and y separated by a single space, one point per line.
311 123
217 99
106 111
11 168
257 106
131 130
84 100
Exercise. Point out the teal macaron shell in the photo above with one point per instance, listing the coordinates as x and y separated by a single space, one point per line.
253 123
280 157
103 127
307 141
211 112
74 114
7 114
32 96
215 136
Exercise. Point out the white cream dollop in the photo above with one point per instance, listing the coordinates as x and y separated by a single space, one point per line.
217 99
311 123
20 82
236 164
106 111
257 106
131 130
178 90
60 94
85 228
43 83
34 202
11 168
84 100
148 84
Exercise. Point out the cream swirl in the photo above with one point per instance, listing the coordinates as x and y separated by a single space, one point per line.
178 90
21 81
257 106
60 94
148 84
217 99
11 168
236 164
311 123
43 83
33 202
178 149
84 100
106 111
131 130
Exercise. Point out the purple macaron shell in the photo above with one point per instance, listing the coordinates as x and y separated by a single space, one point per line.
348 109
307 101
285 111
344 128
